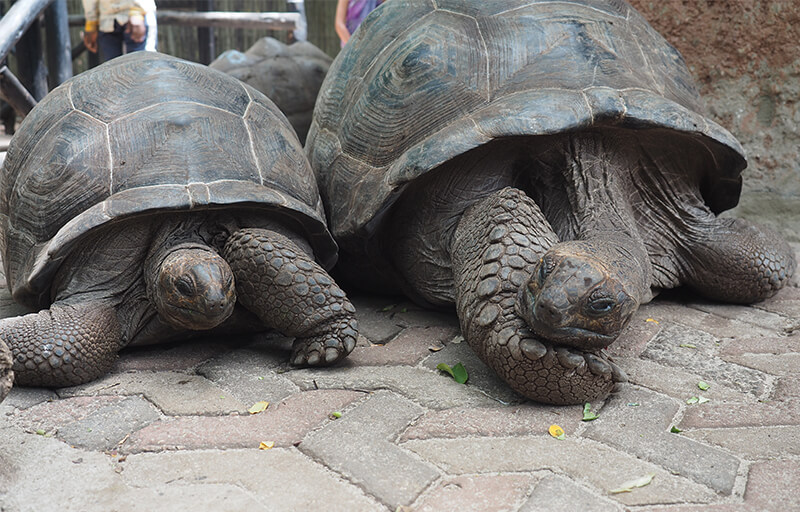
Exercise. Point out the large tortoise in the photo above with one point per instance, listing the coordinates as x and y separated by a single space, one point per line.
289 75
457 142
151 199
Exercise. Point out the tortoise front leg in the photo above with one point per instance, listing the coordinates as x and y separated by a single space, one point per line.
496 244
6 375
62 346
738 261
290 292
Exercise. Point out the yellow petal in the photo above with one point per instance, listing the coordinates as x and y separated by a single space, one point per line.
652 320
258 407
266 445
556 431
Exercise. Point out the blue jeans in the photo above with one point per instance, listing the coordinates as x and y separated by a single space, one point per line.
111 44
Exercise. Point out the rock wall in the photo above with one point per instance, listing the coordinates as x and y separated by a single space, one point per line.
745 56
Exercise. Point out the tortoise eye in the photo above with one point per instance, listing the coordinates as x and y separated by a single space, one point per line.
546 266
600 306
185 286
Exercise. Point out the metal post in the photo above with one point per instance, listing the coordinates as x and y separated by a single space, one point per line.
59 54
14 93
30 61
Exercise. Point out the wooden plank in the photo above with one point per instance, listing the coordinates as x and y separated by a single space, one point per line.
14 93
254 20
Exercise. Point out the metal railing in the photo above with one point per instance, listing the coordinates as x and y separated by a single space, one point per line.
15 31
20 28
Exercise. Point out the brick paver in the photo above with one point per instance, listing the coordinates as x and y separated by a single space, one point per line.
359 445
280 479
477 493
644 431
284 423
602 467
168 427
559 494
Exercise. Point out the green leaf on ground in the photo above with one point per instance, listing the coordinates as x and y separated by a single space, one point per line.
692 400
336 415
675 430
703 385
458 372
687 345
588 415
632 484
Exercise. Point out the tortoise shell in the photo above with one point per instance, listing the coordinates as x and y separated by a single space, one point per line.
143 134
423 81
288 75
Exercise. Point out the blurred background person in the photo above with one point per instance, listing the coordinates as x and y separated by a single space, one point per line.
301 32
350 14
114 27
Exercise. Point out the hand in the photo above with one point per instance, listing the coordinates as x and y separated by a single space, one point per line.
137 29
90 40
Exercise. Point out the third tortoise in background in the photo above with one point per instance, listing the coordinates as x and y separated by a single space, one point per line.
288 75
545 167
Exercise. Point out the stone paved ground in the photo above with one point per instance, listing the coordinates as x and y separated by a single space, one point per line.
169 428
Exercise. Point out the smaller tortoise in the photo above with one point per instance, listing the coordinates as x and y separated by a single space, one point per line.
288 75
544 167
153 199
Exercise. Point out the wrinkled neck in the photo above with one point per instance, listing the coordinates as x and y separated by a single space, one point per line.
595 171
583 184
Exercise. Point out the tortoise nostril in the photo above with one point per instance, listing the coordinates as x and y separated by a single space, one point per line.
547 312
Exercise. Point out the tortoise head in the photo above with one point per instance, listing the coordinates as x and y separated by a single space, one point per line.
577 297
194 289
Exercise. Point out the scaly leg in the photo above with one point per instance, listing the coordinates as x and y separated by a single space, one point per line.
497 242
738 261
65 345
6 375
290 292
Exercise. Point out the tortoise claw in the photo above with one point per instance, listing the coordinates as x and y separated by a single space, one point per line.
533 350
568 358
330 347
617 373
597 365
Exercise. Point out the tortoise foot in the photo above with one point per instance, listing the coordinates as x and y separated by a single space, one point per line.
290 292
544 372
741 262
327 348
65 345
6 375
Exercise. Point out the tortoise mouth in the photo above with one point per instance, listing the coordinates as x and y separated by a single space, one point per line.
197 320
576 337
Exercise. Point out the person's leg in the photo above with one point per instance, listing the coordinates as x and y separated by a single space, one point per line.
109 44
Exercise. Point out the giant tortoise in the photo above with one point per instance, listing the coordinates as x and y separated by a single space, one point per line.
153 199
544 166
289 75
